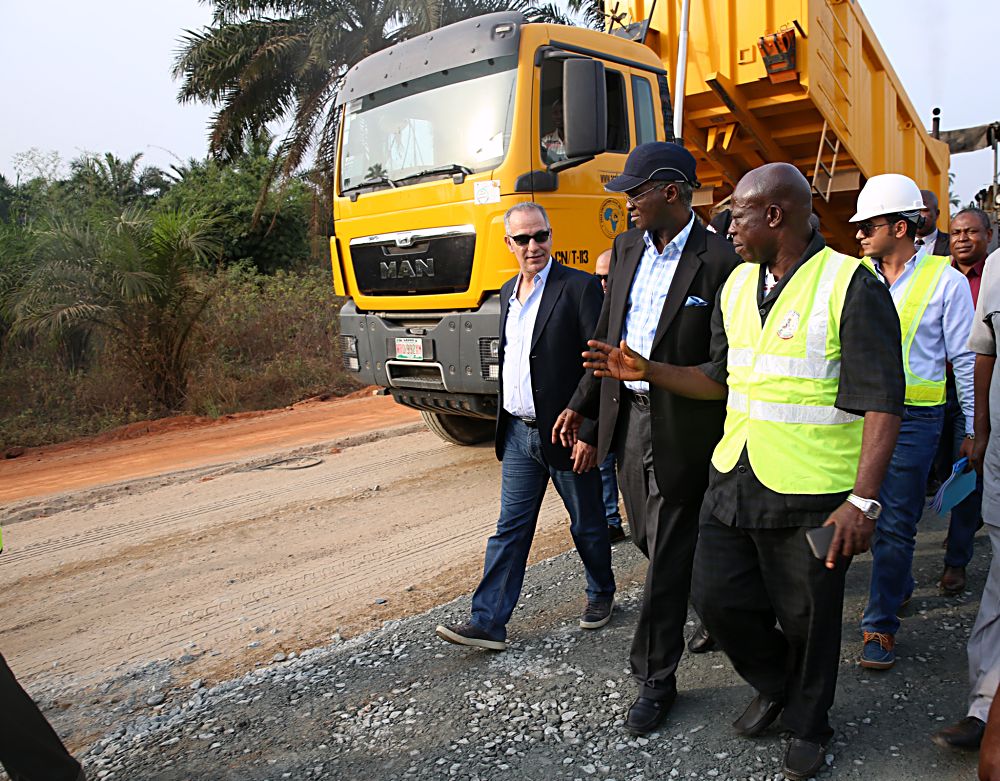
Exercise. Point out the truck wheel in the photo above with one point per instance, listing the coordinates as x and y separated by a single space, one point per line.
459 429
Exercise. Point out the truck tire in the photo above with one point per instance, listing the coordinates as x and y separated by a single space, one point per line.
459 429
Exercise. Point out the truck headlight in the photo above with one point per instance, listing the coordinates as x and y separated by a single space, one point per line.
348 344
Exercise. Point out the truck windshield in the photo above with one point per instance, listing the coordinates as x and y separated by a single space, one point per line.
445 122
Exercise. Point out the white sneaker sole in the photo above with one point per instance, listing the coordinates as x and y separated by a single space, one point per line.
597 624
453 637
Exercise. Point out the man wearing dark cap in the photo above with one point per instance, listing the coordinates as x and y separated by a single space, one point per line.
664 277
804 344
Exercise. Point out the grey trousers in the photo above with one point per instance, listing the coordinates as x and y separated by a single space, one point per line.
666 533
984 643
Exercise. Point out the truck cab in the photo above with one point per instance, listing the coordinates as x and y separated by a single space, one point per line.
440 135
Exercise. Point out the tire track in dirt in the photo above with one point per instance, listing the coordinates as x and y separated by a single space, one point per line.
221 562
130 529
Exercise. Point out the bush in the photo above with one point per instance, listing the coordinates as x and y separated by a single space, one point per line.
265 342
268 341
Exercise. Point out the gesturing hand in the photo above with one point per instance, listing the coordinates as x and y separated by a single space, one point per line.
621 363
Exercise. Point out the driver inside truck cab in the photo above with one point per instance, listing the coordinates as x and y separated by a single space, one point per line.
553 147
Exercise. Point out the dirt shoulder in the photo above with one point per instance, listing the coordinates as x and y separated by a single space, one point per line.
144 450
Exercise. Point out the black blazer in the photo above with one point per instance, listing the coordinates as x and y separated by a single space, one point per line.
942 244
685 431
567 316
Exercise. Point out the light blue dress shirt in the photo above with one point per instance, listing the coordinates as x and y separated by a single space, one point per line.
649 292
517 397
943 332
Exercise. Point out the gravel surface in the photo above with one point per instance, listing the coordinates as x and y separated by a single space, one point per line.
397 703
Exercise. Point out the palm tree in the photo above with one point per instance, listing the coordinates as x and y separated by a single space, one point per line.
123 182
270 61
132 280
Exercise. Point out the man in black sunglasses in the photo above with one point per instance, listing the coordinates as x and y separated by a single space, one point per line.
547 313
665 274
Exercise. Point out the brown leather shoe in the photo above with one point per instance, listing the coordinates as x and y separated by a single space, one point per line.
802 759
952 581
759 715
967 734
701 641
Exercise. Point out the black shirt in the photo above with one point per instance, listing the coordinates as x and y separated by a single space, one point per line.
871 380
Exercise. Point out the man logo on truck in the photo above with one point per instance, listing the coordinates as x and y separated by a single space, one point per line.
391 269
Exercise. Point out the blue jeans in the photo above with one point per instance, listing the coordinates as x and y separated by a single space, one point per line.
609 482
966 514
525 476
902 497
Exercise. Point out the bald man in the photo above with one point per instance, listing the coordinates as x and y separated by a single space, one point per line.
806 349
931 241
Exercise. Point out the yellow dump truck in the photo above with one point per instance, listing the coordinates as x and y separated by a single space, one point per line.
441 134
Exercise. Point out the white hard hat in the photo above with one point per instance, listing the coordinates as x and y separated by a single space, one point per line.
888 194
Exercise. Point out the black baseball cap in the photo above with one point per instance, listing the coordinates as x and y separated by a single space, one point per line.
657 161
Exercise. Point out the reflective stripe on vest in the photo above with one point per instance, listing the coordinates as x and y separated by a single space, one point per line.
920 391
784 377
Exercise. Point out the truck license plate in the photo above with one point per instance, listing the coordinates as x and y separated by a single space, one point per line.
408 349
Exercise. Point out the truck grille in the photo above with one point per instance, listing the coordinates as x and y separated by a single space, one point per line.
433 261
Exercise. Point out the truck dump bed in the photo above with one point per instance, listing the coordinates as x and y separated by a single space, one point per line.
831 105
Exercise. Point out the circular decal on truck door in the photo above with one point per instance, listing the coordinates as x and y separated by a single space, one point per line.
612 218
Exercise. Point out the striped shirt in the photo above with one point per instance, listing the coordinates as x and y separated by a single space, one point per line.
649 292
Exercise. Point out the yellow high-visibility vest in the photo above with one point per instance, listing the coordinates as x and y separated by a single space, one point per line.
920 391
784 377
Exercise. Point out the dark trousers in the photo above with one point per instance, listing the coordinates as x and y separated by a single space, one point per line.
30 750
966 516
666 533
747 582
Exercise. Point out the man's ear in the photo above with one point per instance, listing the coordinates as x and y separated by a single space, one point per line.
775 215
509 243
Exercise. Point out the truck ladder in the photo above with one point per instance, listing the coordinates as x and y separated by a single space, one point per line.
825 144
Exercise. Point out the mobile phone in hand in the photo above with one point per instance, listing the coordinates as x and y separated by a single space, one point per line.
819 540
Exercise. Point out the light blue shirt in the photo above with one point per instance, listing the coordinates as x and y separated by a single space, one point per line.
517 397
649 292
943 332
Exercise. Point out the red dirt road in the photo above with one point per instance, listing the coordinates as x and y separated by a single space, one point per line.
187 443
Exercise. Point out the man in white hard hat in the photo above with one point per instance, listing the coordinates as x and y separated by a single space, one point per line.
935 313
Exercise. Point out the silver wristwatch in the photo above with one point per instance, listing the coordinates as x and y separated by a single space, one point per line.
870 508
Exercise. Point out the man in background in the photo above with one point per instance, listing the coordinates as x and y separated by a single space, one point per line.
608 478
970 236
929 240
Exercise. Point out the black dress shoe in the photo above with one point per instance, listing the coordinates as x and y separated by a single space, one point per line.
759 715
701 641
646 714
967 733
802 759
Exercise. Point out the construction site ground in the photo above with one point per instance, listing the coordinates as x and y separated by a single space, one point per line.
255 598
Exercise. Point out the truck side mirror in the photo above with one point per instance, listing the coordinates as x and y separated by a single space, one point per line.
585 111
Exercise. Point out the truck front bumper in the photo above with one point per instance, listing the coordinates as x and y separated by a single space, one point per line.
441 362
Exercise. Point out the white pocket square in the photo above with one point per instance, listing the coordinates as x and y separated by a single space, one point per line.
695 301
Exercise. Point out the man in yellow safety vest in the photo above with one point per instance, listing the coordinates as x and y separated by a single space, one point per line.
806 350
935 314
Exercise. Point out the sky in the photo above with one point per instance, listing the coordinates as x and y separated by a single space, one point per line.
95 76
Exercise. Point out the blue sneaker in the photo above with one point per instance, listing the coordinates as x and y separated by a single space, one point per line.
878 652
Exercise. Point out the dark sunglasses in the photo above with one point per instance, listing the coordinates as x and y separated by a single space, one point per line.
868 228
522 239
601 277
